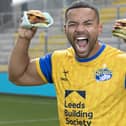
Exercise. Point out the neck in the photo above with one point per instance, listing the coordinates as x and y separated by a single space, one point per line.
100 48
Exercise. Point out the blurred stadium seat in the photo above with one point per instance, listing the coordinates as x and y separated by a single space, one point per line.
49 40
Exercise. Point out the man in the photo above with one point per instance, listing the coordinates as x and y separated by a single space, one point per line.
89 76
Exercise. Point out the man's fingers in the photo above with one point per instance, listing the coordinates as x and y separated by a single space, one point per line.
26 33
34 29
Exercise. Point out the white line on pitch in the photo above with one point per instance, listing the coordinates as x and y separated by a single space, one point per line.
27 121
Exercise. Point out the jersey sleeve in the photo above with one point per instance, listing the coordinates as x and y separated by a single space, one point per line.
44 68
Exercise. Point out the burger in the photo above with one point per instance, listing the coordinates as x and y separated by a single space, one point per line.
36 16
120 29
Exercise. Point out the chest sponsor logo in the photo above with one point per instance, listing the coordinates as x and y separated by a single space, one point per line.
75 112
103 74
81 93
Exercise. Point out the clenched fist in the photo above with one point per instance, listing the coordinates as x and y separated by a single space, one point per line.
26 33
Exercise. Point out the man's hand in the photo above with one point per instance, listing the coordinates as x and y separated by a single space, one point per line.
26 33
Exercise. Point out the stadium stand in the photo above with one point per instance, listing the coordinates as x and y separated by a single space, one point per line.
53 38
119 2
116 10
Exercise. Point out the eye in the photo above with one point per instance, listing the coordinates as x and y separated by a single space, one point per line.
72 24
88 23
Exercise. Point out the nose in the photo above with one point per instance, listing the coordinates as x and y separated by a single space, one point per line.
80 28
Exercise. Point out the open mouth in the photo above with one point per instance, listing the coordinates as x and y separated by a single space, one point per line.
81 43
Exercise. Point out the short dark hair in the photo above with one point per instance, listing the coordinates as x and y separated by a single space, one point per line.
81 4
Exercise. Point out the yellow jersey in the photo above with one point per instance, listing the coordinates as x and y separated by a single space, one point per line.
91 91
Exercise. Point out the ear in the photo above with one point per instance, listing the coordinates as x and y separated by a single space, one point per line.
64 27
100 28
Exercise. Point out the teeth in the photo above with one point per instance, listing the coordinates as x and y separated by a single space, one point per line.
81 38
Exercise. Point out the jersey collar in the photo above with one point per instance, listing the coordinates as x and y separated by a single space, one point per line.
92 57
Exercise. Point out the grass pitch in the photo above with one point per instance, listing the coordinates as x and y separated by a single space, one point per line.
27 111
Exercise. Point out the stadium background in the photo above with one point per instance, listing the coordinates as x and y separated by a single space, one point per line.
36 106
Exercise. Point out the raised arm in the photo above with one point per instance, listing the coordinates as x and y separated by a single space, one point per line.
22 69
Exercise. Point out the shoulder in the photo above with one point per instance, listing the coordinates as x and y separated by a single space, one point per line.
62 56
114 51
118 54
69 52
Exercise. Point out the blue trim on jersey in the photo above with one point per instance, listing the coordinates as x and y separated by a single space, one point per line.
46 67
125 82
92 57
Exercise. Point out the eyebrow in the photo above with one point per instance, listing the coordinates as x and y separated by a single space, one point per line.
88 20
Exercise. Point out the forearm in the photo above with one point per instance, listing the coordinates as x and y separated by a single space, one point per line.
19 58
